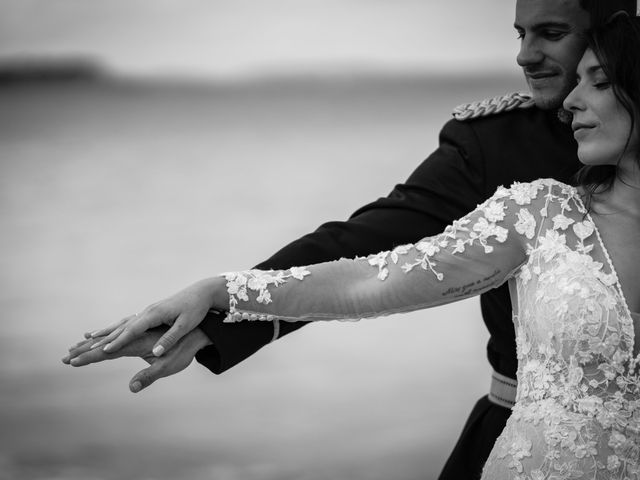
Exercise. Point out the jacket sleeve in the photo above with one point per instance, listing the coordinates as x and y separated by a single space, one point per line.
447 185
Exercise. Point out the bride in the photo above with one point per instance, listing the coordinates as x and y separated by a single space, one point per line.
569 255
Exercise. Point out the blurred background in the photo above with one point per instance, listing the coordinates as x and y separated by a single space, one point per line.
146 144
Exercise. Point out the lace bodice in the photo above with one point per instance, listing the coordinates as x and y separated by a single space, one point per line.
577 412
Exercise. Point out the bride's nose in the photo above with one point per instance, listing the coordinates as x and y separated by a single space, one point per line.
574 100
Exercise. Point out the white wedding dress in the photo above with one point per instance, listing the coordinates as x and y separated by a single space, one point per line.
577 412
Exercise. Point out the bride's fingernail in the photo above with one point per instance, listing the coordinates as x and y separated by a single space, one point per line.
97 344
158 350
107 347
93 334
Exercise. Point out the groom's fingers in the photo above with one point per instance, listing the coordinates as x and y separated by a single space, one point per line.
139 348
147 376
91 356
78 349
87 354
86 345
80 346
175 360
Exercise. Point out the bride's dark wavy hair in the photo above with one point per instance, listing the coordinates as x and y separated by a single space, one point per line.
616 44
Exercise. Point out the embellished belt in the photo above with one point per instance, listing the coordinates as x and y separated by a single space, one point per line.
503 390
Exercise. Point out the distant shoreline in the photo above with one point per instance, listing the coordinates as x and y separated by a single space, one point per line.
87 70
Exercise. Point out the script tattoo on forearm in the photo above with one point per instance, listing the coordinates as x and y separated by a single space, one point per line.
471 288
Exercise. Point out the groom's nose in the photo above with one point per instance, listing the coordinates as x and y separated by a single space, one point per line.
531 53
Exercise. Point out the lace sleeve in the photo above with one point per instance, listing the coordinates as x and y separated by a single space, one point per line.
476 253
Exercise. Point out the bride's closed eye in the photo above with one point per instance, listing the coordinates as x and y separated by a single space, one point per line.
602 85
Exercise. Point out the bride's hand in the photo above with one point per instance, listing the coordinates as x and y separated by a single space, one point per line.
182 312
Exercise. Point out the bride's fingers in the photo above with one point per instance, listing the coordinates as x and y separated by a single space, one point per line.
81 344
134 329
183 325
76 345
109 338
103 331
107 330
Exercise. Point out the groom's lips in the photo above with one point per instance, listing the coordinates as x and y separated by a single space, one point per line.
540 77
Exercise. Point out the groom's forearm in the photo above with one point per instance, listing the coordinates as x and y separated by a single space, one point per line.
427 202
231 343
234 342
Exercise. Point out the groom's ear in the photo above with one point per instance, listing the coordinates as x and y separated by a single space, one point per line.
601 10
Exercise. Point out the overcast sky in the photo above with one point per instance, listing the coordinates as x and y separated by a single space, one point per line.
238 37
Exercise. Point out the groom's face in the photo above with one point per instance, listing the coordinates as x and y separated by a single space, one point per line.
552 42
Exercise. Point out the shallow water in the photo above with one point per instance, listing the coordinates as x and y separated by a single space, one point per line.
114 194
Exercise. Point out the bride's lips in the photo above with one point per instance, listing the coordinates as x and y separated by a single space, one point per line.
580 129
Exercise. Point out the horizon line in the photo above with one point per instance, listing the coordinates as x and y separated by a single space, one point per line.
89 66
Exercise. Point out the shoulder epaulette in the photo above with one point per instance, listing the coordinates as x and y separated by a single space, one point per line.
491 106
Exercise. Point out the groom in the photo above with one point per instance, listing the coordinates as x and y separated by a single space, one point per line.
478 151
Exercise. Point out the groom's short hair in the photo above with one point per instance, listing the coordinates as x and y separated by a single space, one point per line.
601 10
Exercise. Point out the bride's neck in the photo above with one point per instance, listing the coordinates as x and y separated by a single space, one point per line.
624 194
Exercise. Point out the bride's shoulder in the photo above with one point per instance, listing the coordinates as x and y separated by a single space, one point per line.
525 192
541 193
555 185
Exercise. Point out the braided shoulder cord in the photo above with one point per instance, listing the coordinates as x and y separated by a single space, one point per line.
492 106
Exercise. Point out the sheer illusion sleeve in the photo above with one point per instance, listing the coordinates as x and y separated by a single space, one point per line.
476 253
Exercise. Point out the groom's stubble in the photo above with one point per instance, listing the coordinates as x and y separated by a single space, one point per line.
552 42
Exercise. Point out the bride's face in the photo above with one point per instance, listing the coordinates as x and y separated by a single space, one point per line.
601 125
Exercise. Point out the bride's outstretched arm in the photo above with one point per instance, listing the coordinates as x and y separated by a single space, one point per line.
476 253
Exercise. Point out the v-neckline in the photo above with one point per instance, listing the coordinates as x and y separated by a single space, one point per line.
614 272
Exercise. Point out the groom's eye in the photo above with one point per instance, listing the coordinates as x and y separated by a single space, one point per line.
553 35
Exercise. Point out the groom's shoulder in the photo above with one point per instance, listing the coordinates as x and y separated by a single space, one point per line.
505 119
495 108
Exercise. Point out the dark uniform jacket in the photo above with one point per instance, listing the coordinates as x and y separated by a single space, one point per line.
474 157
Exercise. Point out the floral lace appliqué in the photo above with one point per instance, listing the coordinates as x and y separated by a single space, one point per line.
578 396
240 283
577 411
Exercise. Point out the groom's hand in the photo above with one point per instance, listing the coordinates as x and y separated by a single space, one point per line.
173 361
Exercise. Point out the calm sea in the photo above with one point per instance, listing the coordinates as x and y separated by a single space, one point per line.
115 193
